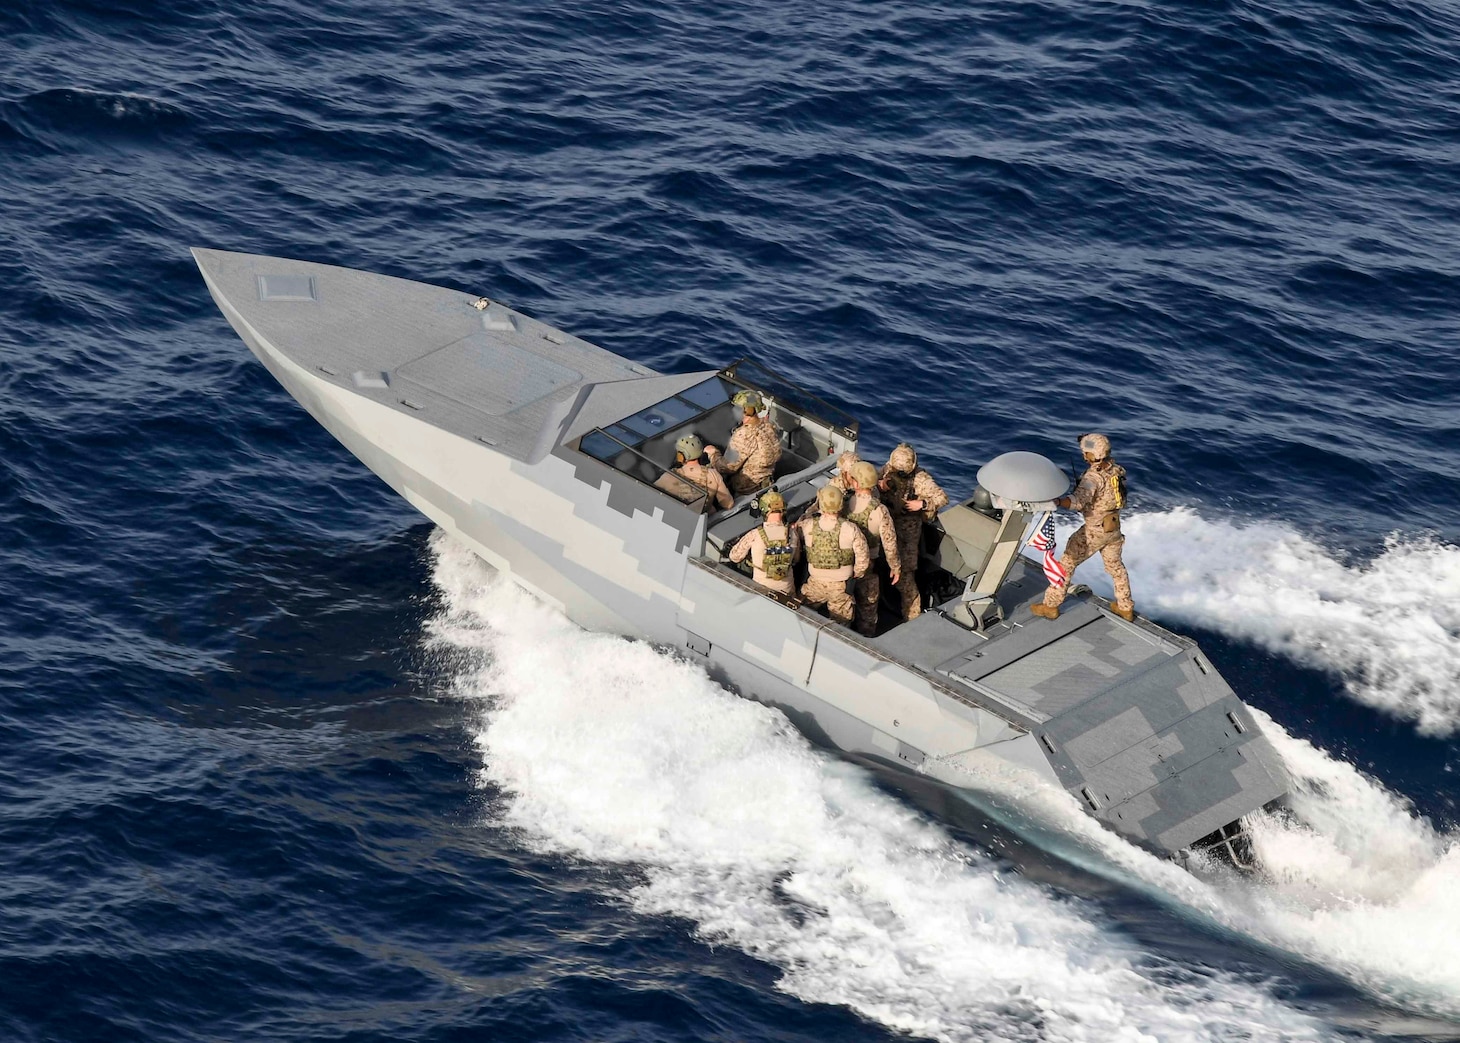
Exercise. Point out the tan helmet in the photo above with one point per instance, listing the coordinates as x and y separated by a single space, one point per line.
690 447
864 474
749 401
1095 446
830 499
903 458
771 502
846 460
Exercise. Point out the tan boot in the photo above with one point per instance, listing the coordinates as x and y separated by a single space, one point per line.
1039 608
1127 614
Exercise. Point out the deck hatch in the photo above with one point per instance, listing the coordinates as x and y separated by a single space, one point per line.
487 374
287 288
1066 672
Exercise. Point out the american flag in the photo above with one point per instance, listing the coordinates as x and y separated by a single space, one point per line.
1044 541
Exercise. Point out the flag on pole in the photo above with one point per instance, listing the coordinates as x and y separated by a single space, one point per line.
1044 541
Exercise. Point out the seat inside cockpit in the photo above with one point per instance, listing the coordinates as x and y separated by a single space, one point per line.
643 444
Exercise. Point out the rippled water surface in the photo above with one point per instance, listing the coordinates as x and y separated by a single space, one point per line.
279 762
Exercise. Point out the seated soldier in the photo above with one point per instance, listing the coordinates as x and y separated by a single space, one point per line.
693 476
773 548
755 447
836 552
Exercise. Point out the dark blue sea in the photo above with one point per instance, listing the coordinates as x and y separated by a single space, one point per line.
280 762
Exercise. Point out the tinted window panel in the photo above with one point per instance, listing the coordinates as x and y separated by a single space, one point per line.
660 418
602 447
708 395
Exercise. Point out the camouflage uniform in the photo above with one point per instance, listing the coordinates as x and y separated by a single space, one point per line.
876 524
838 556
750 458
902 487
1099 498
753 544
687 481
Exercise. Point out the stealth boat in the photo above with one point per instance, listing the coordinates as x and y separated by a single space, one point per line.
540 452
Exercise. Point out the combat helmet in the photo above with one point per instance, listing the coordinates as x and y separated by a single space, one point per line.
1095 445
690 447
750 401
771 502
903 458
830 499
864 474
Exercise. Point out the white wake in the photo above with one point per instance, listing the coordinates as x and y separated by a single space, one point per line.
1390 627
610 751
1354 880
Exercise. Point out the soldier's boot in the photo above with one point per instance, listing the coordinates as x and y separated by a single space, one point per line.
1128 613
1039 608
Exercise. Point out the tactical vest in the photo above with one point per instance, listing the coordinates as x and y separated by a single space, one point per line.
776 561
826 550
861 518
899 491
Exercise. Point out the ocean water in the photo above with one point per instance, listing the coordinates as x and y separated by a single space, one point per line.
279 762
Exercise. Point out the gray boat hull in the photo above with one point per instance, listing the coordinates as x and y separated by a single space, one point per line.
474 415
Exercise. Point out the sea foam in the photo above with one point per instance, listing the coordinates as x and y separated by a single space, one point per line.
612 751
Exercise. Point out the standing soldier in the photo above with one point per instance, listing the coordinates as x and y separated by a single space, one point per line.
844 465
876 524
836 552
773 548
754 448
913 498
1099 496
693 476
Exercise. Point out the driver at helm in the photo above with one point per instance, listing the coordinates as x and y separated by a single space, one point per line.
1099 496
693 478
754 449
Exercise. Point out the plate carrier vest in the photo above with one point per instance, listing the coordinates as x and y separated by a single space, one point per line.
826 551
874 539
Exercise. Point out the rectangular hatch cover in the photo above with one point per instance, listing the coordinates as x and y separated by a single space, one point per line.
488 374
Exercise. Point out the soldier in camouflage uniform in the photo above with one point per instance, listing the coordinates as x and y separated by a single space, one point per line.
1099 496
867 511
836 552
693 476
773 547
913 498
755 447
844 465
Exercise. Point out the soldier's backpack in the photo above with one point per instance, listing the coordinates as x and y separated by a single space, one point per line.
1118 485
776 562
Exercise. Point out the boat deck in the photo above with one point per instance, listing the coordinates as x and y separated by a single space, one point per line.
492 374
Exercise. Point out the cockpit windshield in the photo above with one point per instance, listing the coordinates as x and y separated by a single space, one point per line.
669 415
643 444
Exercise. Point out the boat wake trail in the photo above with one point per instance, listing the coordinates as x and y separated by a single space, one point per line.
1359 880
1351 878
1390 627
611 751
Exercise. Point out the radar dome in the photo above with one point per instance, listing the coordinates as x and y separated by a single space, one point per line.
1022 477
